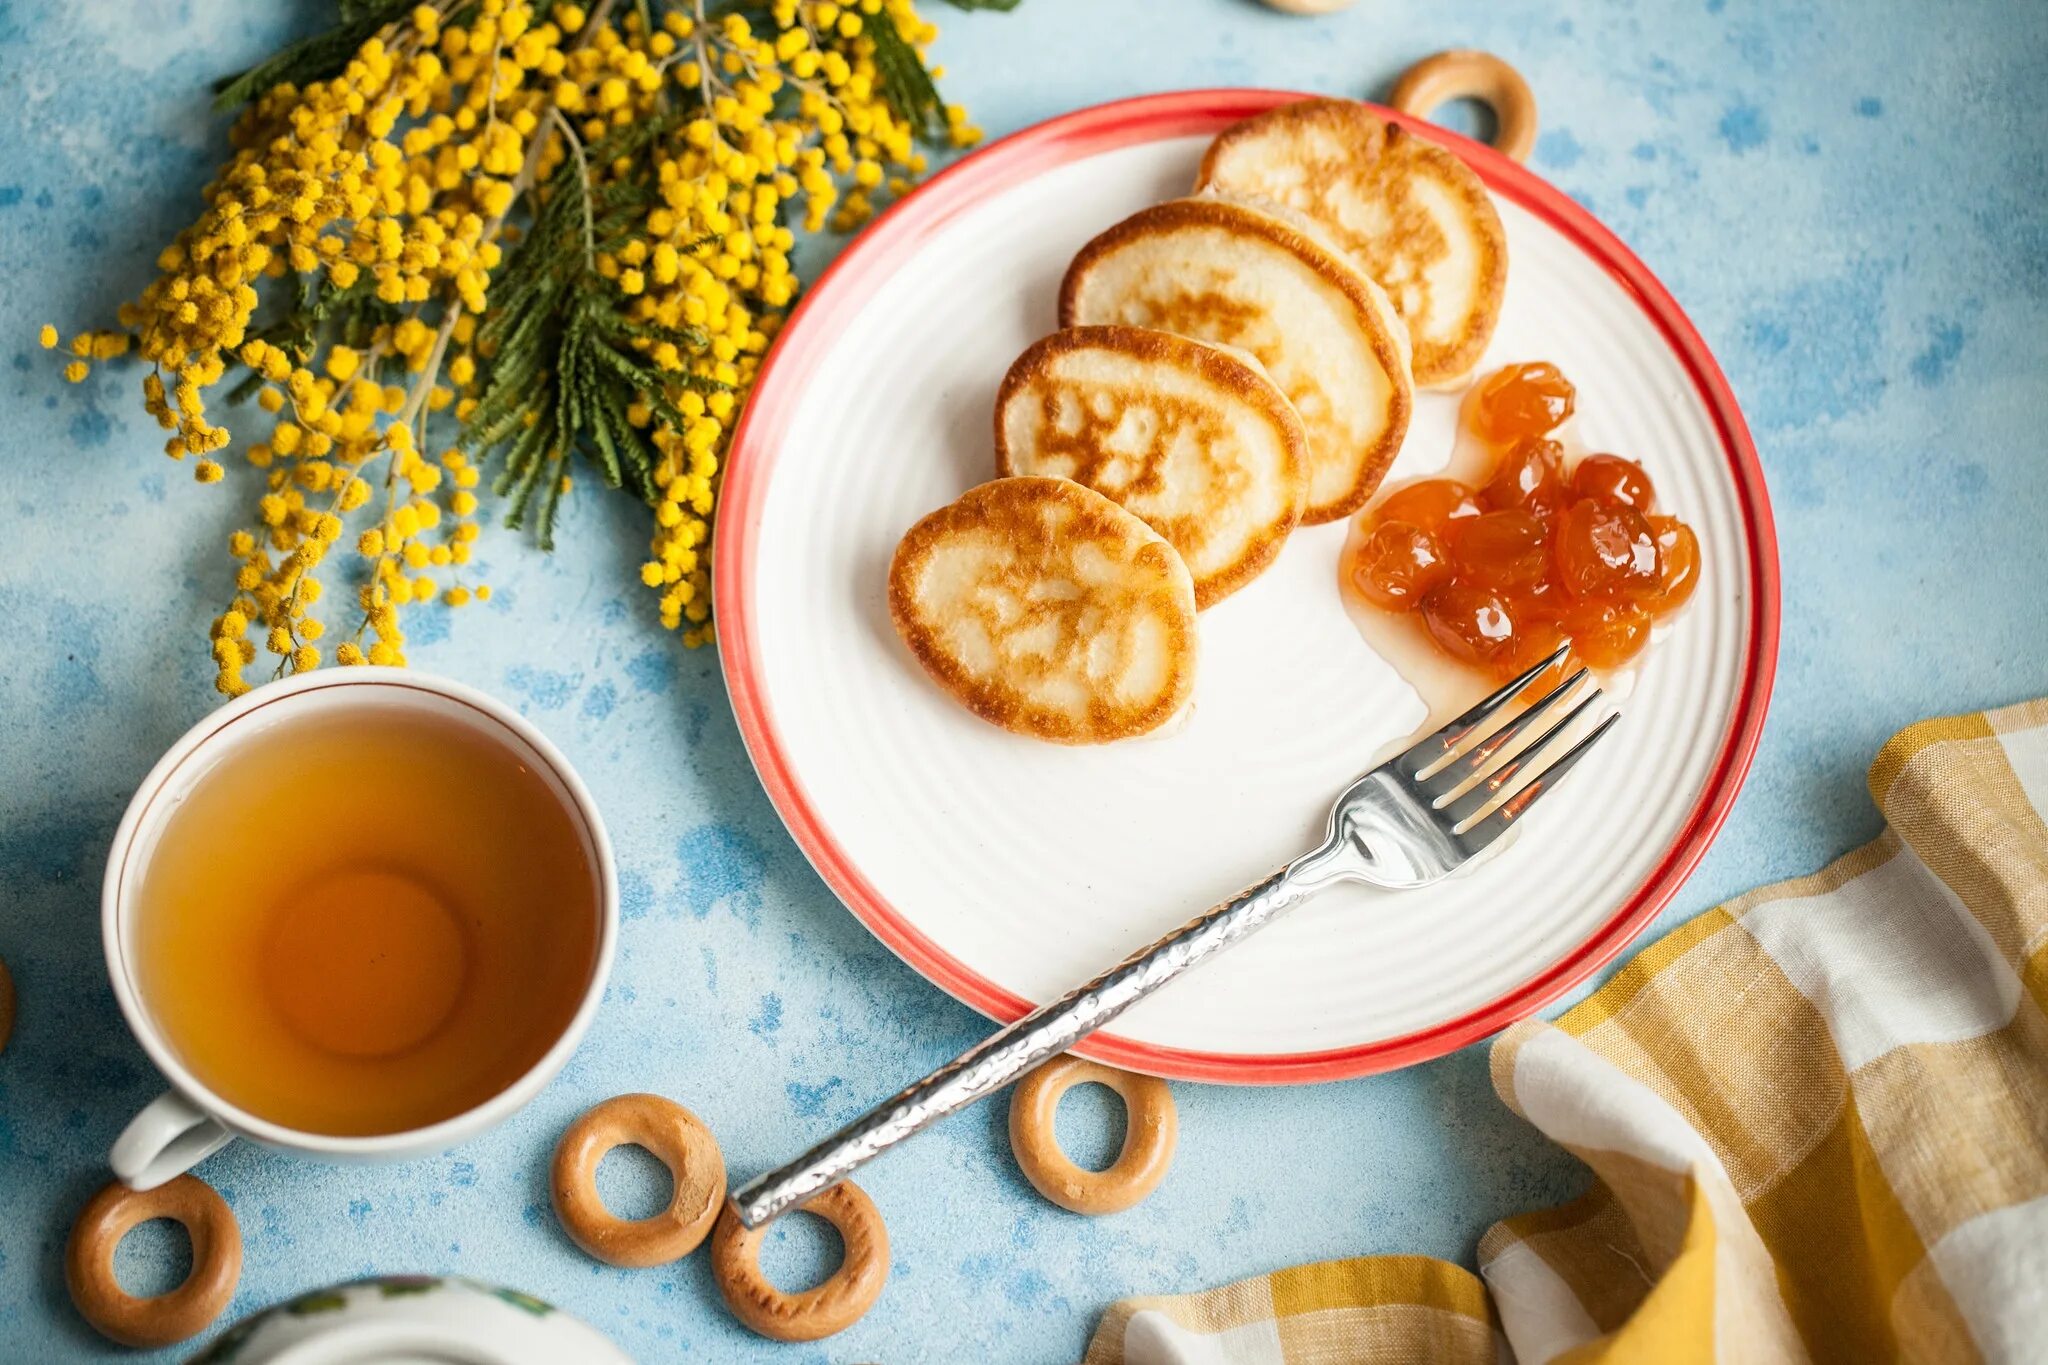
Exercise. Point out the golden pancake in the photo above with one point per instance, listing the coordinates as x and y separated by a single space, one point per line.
1268 282
1414 215
1193 439
1045 608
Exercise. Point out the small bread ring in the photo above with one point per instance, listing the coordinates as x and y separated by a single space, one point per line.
818 1312
164 1318
1479 76
6 1006
1150 1129
679 1139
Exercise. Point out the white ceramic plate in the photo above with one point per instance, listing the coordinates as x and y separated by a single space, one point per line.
1008 870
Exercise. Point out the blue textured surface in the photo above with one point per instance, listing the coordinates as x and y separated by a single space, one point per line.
1851 199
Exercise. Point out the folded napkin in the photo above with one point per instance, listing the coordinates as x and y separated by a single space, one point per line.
1817 1115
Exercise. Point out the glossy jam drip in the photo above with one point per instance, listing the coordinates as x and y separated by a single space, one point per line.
1504 549
1431 504
1605 634
1534 552
1613 482
1398 565
1470 623
1530 476
1606 552
1678 561
1522 401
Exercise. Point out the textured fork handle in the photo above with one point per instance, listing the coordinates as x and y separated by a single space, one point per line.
1045 1032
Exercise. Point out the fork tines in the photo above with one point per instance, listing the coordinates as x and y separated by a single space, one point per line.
1478 759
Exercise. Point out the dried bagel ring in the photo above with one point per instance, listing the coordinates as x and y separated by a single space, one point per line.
162 1318
820 1311
1463 74
679 1140
1151 1127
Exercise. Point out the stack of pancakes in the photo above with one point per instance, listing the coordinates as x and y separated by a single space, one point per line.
1230 365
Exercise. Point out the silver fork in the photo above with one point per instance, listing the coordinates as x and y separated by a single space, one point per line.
1413 820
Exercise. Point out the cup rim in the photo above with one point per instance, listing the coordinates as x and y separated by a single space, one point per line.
442 1132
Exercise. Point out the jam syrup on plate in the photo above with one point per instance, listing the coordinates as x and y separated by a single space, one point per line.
1467 578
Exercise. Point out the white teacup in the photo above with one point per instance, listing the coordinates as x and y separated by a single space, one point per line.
190 1122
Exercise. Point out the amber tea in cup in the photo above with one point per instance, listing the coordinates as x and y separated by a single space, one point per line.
366 920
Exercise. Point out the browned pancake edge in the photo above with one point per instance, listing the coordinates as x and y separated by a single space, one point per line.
1339 270
1435 363
1216 367
1005 500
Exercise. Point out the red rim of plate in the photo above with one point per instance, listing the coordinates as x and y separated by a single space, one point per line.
853 279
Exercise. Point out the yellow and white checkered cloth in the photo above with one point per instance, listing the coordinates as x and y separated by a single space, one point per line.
1818 1116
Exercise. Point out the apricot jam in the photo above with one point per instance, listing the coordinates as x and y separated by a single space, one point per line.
1431 504
1530 475
1542 552
1399 564
1522 401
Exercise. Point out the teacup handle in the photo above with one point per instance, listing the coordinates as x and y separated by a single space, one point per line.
168 1138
